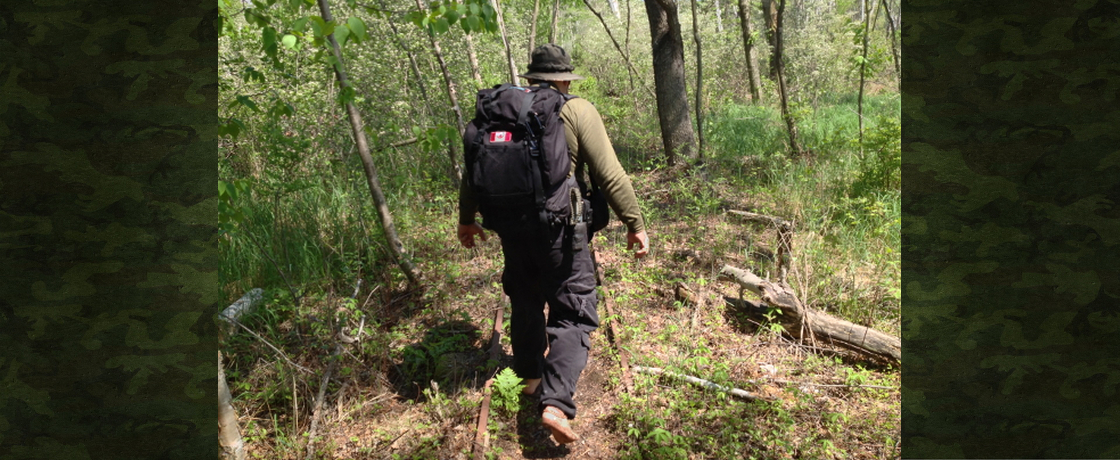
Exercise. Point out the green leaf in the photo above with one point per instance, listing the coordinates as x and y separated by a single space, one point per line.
299 25
474 9
289 41
341 34
346 96
318 26
245 101
452 16
417 18
268 37
357 27
473 24
440 26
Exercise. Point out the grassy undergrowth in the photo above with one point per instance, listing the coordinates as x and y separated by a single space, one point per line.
410 386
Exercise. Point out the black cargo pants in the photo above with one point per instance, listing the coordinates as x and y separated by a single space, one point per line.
551 266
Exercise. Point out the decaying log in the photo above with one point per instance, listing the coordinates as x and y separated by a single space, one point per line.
822 325
243 306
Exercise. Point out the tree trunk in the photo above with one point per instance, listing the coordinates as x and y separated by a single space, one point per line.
533 28
719 17
669 80
555 21
412 64
453 98
505 41
748 47
699 83
801 321
614 8
894 45
770 16
472 57
783 93
396 247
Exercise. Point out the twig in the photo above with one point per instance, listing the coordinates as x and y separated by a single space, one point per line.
270 345
699 381
617 47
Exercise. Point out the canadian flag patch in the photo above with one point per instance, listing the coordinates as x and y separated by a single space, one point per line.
500 136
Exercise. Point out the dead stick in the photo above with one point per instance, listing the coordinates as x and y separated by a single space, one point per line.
616 340
699 381
482 434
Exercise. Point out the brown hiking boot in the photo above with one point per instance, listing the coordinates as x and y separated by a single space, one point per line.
555 420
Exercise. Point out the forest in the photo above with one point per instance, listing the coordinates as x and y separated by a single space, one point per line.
762 138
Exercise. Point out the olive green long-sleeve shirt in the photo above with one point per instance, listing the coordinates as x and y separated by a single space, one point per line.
587 144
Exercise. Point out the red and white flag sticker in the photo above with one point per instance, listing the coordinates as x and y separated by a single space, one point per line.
500 136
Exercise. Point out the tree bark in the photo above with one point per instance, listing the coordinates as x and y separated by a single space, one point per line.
533 28
555 21
748 47
614 8
669 80
862 75
455 172
770 16
472 57
894 44
783 93
719 17
699 83
396 247
797 318
505 41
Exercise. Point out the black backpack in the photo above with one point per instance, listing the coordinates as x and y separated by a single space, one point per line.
517 160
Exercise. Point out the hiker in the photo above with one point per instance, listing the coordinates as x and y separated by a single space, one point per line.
546 257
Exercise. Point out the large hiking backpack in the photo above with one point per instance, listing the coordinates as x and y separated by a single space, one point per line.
517 161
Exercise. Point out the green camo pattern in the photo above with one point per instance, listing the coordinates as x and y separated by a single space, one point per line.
108 230
1011 229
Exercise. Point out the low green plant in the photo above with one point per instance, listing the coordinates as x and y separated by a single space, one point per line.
506 391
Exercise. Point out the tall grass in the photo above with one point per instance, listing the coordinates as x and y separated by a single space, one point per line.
846 204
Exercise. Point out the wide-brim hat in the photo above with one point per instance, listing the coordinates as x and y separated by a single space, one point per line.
551 63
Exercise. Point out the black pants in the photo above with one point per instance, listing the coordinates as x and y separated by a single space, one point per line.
551 266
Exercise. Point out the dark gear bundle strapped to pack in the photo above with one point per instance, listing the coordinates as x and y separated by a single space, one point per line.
517 160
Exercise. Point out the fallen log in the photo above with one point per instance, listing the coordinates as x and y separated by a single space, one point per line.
798 317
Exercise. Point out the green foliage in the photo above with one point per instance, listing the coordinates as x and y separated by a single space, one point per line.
472 16
506 391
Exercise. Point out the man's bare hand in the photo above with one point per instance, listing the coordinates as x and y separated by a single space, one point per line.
467 233
641 239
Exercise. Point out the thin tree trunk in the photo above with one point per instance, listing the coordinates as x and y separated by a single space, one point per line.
473 58
625 56
783 92
396 247
719 17
862 78
670 81
505 41
748 47
614 7
555 21
412 63
453 98
894 45
533 28
770 17
699 83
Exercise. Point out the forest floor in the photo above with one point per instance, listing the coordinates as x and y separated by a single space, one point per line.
413 388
